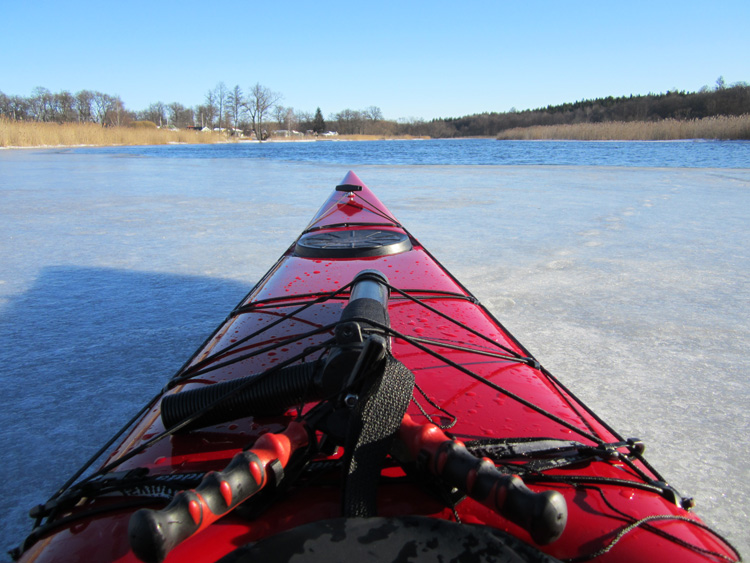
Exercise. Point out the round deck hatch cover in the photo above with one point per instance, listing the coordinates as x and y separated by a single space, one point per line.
352 244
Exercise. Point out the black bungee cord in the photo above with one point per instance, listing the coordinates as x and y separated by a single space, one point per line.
202 367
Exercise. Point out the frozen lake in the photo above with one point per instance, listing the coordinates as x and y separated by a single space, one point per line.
630 284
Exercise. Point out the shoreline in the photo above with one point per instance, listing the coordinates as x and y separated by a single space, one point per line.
342 138
346 140
40 135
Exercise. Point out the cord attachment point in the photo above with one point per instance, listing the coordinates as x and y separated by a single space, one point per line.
348 333
637 446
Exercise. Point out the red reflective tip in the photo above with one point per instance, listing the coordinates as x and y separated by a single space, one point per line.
256 472
196 512
226 492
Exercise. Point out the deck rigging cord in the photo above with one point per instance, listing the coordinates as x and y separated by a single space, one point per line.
633 523
174 381
221 359
414 342
189 371
655 483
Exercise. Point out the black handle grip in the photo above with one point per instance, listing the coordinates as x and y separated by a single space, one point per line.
233 399
543 515
154 533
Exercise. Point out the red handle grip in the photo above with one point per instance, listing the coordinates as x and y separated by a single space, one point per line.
543 515
154 533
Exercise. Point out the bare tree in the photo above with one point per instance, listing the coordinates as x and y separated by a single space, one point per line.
14 107
349 122
65 107
116 115
285 117
220 100
260 101
100 103
84 100
373 113
201 115
179 115
208 110
304 120
5 106
41 104
279 114
236 104
156 113
290 119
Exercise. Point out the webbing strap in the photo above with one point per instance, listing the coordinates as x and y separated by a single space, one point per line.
372 426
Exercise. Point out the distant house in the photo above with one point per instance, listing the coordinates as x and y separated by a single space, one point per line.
286 133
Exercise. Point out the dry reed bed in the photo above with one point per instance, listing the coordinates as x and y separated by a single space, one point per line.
33 134
722 127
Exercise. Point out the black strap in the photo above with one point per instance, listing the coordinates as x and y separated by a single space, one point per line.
372 426
537 454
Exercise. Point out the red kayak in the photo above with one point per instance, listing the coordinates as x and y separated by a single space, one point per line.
361 403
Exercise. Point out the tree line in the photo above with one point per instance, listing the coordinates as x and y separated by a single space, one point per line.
64 107
722 100
259 111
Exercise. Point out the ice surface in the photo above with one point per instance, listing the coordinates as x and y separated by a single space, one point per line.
629 284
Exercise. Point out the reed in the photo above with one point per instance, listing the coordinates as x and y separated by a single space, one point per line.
34 134
720 127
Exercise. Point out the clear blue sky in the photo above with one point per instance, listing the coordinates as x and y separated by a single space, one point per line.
413 59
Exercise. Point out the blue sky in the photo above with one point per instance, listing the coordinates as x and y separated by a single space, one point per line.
413 59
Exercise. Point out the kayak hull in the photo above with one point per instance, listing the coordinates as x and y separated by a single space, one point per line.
467 372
